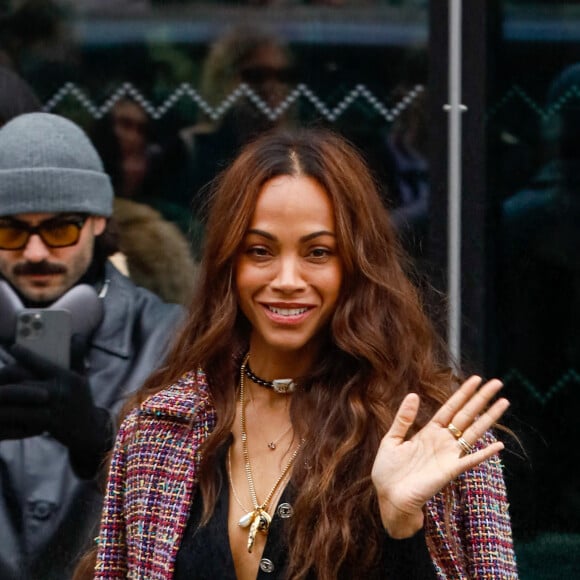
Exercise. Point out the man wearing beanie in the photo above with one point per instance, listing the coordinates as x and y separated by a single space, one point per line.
57 421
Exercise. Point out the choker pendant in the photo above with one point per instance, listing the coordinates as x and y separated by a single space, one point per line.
283 386
280 386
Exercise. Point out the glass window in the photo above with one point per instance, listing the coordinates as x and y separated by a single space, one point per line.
169 90
534 128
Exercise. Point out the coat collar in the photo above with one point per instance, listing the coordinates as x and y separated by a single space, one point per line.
114 333
185 399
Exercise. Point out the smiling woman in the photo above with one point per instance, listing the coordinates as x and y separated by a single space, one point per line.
289 273
306 422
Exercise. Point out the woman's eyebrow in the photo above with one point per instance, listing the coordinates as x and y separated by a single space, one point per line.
261 233
313 235
305 238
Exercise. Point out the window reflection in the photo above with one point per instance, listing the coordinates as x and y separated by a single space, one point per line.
207 80
540 309
534 124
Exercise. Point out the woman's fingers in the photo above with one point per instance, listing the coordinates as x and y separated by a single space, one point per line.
478 404
467 403
470 413
484 421
405 417
467 415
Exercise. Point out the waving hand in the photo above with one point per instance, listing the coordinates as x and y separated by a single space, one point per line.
407 472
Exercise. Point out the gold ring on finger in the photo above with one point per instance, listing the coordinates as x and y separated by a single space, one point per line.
466 447
457 433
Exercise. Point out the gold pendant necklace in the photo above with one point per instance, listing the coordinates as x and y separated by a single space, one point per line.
258 519
273 444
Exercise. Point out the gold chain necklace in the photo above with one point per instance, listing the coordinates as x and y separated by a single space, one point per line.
236 496
235 493
258 519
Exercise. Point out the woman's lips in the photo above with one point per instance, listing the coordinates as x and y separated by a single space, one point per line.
287 314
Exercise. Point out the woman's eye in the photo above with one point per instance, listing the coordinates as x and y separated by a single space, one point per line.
320 253
258 251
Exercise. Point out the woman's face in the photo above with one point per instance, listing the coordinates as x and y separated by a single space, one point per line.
288 271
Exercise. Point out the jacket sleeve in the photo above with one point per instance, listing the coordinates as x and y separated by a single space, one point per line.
471 536
111 559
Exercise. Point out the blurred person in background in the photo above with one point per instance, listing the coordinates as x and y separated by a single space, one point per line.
16 96
157 253
242 55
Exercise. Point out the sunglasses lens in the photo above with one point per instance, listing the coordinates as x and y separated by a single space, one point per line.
12 238
55 233
59 235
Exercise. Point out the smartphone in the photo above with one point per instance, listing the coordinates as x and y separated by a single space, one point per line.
46 332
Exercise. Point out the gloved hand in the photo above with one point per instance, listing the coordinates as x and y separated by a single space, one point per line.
37 396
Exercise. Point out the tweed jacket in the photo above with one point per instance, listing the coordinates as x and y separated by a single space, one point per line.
153 476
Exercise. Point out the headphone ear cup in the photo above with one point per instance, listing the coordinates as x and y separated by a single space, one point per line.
86 310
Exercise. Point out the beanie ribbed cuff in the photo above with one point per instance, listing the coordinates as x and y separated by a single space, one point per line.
49 165
71 190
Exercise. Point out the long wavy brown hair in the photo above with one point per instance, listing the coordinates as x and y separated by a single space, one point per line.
380 346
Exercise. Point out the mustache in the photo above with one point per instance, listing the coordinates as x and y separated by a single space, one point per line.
38 268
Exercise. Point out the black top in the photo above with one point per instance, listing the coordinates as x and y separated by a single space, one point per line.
205 553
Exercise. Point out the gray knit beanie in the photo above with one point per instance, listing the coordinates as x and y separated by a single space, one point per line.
49 165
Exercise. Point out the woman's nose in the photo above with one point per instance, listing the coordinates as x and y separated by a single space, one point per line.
289 276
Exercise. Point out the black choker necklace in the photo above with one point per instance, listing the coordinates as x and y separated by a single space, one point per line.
281 386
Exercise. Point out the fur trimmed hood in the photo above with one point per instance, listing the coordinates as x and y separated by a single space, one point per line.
158 254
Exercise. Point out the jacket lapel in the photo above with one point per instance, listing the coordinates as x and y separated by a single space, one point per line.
173 425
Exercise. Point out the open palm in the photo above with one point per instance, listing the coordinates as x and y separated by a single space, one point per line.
408 472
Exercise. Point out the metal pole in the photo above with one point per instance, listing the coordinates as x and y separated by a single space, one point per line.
454 109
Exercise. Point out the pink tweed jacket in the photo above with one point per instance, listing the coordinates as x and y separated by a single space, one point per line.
153 476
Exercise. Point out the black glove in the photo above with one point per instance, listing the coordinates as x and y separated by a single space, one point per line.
37 396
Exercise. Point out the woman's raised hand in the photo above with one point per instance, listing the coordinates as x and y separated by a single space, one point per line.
407 472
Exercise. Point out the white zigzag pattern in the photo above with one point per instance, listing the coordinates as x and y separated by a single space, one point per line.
243 90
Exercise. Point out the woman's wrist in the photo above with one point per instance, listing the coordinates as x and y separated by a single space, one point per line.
400 525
